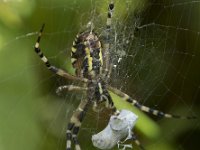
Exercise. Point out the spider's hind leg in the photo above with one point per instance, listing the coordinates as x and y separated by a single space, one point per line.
107 37
52 68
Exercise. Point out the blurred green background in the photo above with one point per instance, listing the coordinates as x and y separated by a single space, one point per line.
161 68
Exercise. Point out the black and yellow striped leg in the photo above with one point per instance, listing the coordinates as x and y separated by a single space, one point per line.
137 142
109 102
107 41
69 136
69 88
75 124
155 112
54 69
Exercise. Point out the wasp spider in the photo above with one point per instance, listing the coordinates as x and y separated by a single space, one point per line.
88 55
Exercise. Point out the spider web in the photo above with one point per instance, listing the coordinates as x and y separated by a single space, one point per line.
155 56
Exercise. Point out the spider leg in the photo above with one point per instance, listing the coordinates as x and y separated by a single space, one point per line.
107 41
52 68
155 112
70 88
137 142
108 73
75 124
109 102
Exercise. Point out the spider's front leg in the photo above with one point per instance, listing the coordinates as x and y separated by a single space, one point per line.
132 138
146 109
75 124
52 68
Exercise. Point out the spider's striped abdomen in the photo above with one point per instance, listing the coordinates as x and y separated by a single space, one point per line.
86 55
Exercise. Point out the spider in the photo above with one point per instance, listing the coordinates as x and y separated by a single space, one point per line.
91 61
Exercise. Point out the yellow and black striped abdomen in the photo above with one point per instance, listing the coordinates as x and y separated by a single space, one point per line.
86 55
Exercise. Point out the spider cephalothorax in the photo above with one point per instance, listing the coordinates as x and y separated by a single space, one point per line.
87 57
